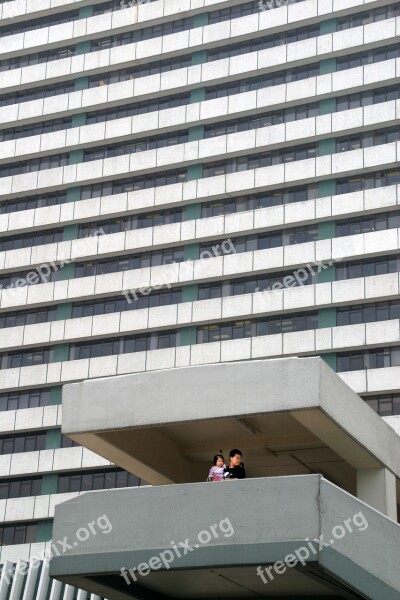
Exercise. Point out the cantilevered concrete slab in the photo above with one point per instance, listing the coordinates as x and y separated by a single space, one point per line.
222 532
288 416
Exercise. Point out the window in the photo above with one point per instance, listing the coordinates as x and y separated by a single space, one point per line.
269 41
35 129
262 200
27 240
137 108
25 399
255 327
132 222
263 120
25 442
368 139
133 146
368 359
367 181
153 68
25 358
66 442
242 10
28 94
40 23
369 16
368 313
96 480
124 345
26 60
376 222
31 202
27 317
145 33
262 241
368 97
112 5
369 56
384 405
22 278
34 164
131 184
367 268
262 81
164 256
256 161
121 303
20 488
21 533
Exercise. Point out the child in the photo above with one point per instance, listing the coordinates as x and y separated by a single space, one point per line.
217 471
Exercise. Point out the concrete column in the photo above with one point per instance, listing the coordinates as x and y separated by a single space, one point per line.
377 487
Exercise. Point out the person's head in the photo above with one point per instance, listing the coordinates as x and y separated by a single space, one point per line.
235 457
218 460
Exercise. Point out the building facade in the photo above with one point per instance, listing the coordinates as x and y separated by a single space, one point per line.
186 182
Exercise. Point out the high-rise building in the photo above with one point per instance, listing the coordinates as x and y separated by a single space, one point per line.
186 182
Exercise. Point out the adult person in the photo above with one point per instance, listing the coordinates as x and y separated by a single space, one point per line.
235 468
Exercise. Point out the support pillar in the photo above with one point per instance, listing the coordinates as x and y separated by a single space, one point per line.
377 487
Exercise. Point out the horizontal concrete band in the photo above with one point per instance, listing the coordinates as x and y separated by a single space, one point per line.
129 20
339 83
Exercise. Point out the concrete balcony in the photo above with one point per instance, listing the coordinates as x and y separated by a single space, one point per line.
235 539
322 467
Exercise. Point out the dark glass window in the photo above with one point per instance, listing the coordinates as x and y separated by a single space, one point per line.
164 256
159 66
24 442
39 23
28 94
368 313
22 131
20 488
136 145
131 184
31 202
218 332
368 16
34 164
375 222
124 345
112 5
25 358
368 139
145 33
368 181
132 222
385 405
25 399
377 358
137 108
256 161
260 241
367 57
19 533
66 442
27 317
85 481
26 60
379 265
242 10
263 43
262 81
264 120
367 97
26 240
261 200
131 301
